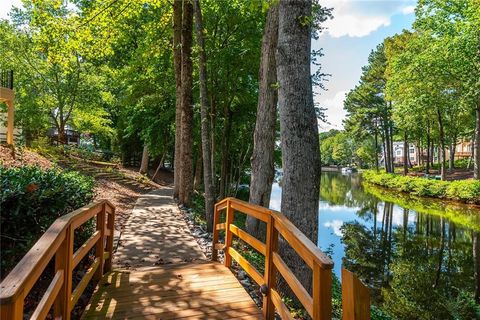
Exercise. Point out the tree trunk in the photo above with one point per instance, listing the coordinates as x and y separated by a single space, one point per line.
432 153
429 153
227 128
476 146
472 155
390 157
144 163
385 151
440 253
197 182
263 170
390 127
299 130
451 161
406 153
205 125
177 63
476 264
61 139
186 174
443 172
212 146
376 148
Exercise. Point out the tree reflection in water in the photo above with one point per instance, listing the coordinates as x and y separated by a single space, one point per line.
420 257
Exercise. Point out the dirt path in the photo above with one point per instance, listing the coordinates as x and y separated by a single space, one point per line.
155 234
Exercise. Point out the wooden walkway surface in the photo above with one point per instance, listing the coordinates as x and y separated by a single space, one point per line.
160 272
188 291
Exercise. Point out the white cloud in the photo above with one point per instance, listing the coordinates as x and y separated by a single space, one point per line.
7 6
335 112
335 225
354 18
355 25
408 9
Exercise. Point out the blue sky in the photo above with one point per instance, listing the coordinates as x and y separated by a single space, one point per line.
358 26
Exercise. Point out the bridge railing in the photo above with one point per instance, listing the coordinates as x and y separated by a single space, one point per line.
319 304
57 242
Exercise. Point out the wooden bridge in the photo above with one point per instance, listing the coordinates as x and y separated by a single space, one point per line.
197 290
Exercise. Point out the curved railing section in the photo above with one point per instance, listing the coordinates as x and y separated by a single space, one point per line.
57 243
318 305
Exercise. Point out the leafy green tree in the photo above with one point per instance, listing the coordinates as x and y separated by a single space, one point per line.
369 113
51 52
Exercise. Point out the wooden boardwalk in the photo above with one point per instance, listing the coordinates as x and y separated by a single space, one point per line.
162 273
205 290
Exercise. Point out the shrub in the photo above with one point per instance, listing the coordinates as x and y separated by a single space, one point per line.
462 190
30 200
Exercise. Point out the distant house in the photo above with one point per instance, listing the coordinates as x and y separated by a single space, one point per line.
398 152
463 150
72 137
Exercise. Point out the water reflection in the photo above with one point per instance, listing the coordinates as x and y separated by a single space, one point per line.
419 256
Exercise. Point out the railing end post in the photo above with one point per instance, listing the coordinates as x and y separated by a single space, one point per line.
355 298
13 310
228 235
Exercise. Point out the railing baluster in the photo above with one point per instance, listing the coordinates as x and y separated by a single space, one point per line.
64 260
228 235
270 273
216 220
322 293
111 226
100 246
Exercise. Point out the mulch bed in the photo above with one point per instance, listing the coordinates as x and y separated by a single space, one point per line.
17 157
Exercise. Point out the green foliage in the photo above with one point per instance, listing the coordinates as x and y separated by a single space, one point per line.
31 199
336 148
343 148
462 190
57 83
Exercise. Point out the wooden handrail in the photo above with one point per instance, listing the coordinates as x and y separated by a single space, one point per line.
57 242
318 305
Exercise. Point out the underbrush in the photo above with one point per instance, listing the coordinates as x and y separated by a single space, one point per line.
30 200
461 190
458 164
46 149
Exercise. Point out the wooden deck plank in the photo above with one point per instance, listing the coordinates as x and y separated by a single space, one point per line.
187 291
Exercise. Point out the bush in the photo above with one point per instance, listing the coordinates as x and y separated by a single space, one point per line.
462 190
30 200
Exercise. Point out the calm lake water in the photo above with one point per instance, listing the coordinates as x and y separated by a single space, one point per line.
416 254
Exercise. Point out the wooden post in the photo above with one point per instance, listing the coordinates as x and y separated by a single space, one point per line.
63 260
270 273
228 235
100 246
10 119
111 226
322 293
216 220
14 310
355 298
